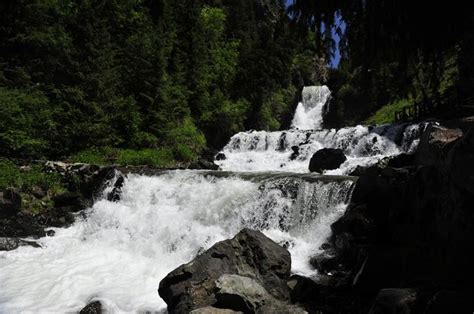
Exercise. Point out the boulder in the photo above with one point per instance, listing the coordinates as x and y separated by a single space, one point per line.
251 255
434 145
295 153
8 244
115 194
394 301
326 159
92 308
220 156
10 202
213 310
245 294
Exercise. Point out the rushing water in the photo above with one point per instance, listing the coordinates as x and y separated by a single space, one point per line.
292 150
119 251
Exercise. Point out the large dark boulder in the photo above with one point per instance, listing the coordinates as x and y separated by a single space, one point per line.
247 273
326 159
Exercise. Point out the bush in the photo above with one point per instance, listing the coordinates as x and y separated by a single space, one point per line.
189 136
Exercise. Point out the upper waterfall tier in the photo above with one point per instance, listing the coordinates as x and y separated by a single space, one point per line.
309 113
292 150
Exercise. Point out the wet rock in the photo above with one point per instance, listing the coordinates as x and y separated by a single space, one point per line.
396 301
296 152
10 202
249 254
245 294
326 159
220 156
115 194
92 308
203 165
8 244
213 310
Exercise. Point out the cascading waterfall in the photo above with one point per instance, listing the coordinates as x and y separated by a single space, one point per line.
309 112
121 251
292 150
117 252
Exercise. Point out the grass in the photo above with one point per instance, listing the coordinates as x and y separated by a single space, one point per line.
159 157
12 176
386 114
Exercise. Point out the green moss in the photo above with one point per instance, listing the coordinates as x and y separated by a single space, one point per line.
387 113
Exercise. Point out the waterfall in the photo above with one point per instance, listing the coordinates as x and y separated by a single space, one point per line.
291 150
309 112
117 252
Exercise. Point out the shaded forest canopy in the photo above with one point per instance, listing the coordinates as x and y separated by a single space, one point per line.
395 50
183 76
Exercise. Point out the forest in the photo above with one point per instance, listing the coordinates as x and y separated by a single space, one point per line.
159 81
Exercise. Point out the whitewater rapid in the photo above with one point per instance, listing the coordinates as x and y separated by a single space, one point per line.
120 251
362 145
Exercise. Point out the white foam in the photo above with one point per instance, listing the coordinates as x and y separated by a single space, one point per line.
122 250
363 146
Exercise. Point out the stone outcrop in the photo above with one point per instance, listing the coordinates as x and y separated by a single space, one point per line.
247 274
407 227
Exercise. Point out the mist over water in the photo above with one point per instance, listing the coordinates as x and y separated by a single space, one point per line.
117 252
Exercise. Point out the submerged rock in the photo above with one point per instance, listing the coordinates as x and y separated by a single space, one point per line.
221 156
326 159
247 273
92 308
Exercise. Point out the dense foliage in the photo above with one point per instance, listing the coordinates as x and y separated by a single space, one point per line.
392 51
177 76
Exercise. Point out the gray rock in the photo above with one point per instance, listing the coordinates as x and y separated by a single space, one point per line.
8 244
247 295
250 254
